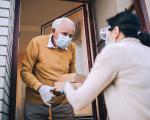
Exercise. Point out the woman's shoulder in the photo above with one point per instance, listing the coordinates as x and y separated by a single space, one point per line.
113 51
114 48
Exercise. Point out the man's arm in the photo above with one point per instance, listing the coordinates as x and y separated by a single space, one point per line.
28 63
72 66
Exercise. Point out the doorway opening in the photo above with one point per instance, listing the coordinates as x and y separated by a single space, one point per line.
36 19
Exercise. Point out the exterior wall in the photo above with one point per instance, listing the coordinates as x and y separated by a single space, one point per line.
122 4
6 40
104 10
108 8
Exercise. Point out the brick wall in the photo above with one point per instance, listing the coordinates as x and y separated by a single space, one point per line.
7 8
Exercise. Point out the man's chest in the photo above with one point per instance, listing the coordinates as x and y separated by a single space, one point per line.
54 60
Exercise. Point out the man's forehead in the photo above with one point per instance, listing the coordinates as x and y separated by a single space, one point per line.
65 28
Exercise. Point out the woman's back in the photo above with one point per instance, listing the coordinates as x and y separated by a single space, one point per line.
127 98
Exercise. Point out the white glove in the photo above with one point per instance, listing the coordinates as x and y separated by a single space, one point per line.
46 95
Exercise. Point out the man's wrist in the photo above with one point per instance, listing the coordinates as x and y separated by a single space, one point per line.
39 87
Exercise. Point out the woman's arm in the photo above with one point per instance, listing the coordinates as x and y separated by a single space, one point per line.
102 74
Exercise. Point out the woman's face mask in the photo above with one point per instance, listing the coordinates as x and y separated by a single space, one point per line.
63 41
105 35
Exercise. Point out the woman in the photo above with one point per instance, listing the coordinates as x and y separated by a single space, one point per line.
121 71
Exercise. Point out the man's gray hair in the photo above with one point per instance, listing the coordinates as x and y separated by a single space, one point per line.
59 21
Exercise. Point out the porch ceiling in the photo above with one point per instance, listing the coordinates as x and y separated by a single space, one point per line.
38 12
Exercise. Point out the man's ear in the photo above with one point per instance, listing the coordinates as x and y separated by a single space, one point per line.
54 33
53 30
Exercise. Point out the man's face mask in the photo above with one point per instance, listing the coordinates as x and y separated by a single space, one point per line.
63 41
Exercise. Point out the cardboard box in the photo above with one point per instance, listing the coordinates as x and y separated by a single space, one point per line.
75 78
72 77
60 85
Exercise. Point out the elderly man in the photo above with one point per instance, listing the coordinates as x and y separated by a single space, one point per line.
46 58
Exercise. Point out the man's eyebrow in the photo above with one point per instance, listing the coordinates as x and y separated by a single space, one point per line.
67 33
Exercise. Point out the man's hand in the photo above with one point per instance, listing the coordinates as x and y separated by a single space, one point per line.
46 93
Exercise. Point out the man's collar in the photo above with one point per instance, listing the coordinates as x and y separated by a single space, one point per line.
51 45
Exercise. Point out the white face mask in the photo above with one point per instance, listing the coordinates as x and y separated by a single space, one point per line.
104 35
63 41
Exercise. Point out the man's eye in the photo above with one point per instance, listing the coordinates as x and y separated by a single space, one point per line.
70 35
66 34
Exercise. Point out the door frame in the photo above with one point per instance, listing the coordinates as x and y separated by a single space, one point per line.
13 75
84 7
140 7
